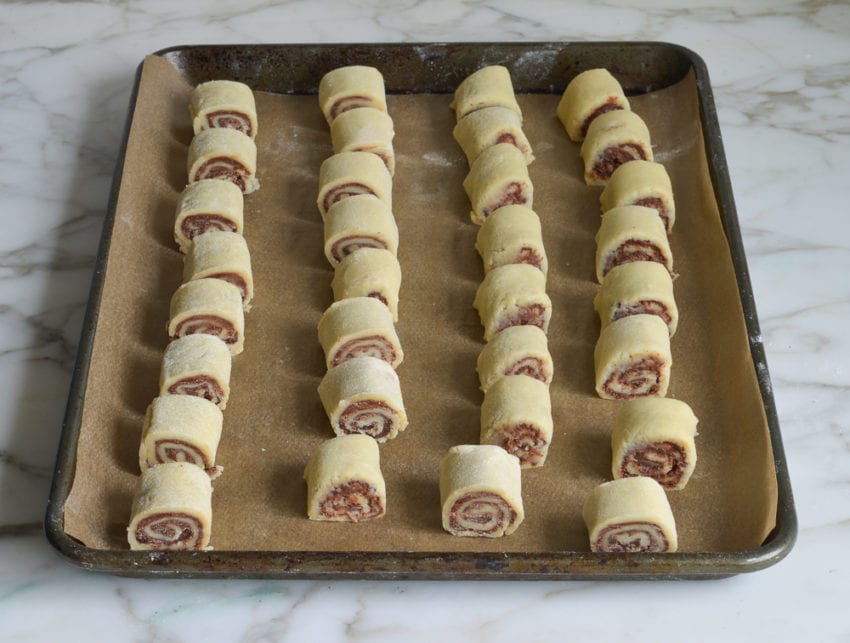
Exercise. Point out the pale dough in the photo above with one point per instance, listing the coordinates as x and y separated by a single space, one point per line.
641 183
221 255
511 234
205 299
170 492
365 130
470 471
629 505
512 295
348 325
487 87
196 356
189 426
369 272
632 358
589 92
344 474
205 203
227 103
362 381
351 87
631 233
634 288
622 134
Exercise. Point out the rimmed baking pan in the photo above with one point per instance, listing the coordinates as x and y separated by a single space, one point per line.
737 513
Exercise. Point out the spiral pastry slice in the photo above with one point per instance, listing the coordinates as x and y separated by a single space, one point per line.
512 234
351 87
489 86
172 508
365 130
517 350
181 428
517 415
631 233
490 126
590 94
613 139
221 255
359 327
633 359
630 515
497 178
637 288
209 306
643 183
361 221
344 480
223 103
370 272
513 295
654 437
480 491
348 174
199 366
208 206
224 154
363 395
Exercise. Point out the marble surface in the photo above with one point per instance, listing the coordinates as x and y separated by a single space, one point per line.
781 77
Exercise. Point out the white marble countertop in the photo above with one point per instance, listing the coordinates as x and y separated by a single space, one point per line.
781 77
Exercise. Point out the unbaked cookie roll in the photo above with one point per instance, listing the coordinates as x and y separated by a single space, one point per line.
517 350
365 130
181 428
172 509
497 178
360 221
630 515
631 233
480 491
344 480
488 87
348 173
643 183
633 359
363 395
359 327
654 437
590 94
207 206
516 414
224 154
513 295
197 365
613 139
511 234
490 126
637 288
346 88
224 103
221 255
369 272
209 306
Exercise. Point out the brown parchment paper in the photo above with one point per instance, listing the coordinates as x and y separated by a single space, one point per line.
274 418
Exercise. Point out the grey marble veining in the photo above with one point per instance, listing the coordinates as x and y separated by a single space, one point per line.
781 78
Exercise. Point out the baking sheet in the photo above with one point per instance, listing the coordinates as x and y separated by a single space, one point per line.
274 418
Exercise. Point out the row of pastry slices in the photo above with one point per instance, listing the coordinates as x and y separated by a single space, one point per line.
360 392
481 484
172 507
652 441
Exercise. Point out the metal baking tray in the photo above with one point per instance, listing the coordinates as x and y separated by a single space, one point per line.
433 68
